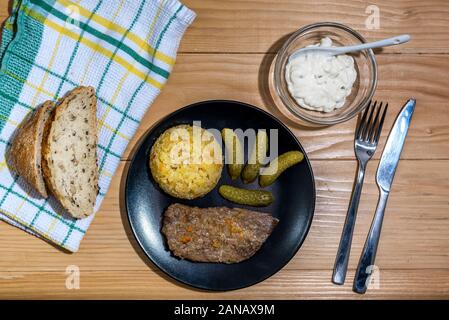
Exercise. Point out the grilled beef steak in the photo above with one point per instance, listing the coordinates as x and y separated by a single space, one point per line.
217 234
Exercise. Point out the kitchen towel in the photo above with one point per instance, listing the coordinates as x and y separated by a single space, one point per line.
124 49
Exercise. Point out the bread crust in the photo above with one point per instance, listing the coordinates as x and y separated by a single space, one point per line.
46 149
46 153
25 151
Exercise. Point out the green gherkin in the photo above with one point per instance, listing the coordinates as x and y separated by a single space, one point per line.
256 198
258 154
279 165
235 150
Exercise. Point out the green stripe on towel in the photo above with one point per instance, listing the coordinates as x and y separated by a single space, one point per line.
114 42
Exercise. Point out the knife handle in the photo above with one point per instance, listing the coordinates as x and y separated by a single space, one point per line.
366 263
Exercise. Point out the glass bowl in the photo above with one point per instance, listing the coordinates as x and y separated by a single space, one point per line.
362 90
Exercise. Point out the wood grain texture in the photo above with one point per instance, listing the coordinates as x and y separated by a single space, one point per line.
289 284
244 77
257 25
414 239
236 26
226 54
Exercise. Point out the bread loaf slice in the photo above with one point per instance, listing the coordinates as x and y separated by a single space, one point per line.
25 151
70 152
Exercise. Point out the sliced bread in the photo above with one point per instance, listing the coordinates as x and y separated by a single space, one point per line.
25 152
69 152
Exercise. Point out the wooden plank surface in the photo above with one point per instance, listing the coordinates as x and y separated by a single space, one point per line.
411 239
257 25
236 26
413 244
288 284
226 54
244 77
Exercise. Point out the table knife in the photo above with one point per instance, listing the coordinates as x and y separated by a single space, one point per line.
384 178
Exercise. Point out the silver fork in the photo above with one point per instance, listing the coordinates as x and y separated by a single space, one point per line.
365 143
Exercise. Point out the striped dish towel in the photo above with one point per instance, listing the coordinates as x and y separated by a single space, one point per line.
124 49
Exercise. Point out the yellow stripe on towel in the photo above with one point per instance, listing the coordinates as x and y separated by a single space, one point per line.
92 45
121 30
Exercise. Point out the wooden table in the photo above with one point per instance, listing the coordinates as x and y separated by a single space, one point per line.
226 54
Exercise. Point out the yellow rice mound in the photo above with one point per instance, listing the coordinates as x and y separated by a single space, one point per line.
183 166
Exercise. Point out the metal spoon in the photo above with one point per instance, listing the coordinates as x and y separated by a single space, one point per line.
333 51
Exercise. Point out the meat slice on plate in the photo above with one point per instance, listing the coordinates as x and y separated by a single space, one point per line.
216 234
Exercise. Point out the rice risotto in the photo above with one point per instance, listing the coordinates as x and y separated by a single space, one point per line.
186 161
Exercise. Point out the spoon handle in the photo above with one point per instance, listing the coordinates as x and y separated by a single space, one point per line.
377 44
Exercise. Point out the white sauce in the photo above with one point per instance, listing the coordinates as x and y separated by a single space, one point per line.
319 82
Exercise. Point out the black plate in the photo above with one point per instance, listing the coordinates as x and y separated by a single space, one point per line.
294 192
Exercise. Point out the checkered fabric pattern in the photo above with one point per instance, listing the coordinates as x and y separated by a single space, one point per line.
124 49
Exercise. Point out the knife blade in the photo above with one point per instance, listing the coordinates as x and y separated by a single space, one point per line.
393 147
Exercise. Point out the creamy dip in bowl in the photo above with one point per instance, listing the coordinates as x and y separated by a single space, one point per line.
320 82
322 91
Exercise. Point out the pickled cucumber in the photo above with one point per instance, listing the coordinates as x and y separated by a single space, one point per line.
283 162
256 198
258 154
235 151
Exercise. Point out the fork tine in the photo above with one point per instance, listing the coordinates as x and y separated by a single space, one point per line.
361 124
372 130
381 123
368 123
